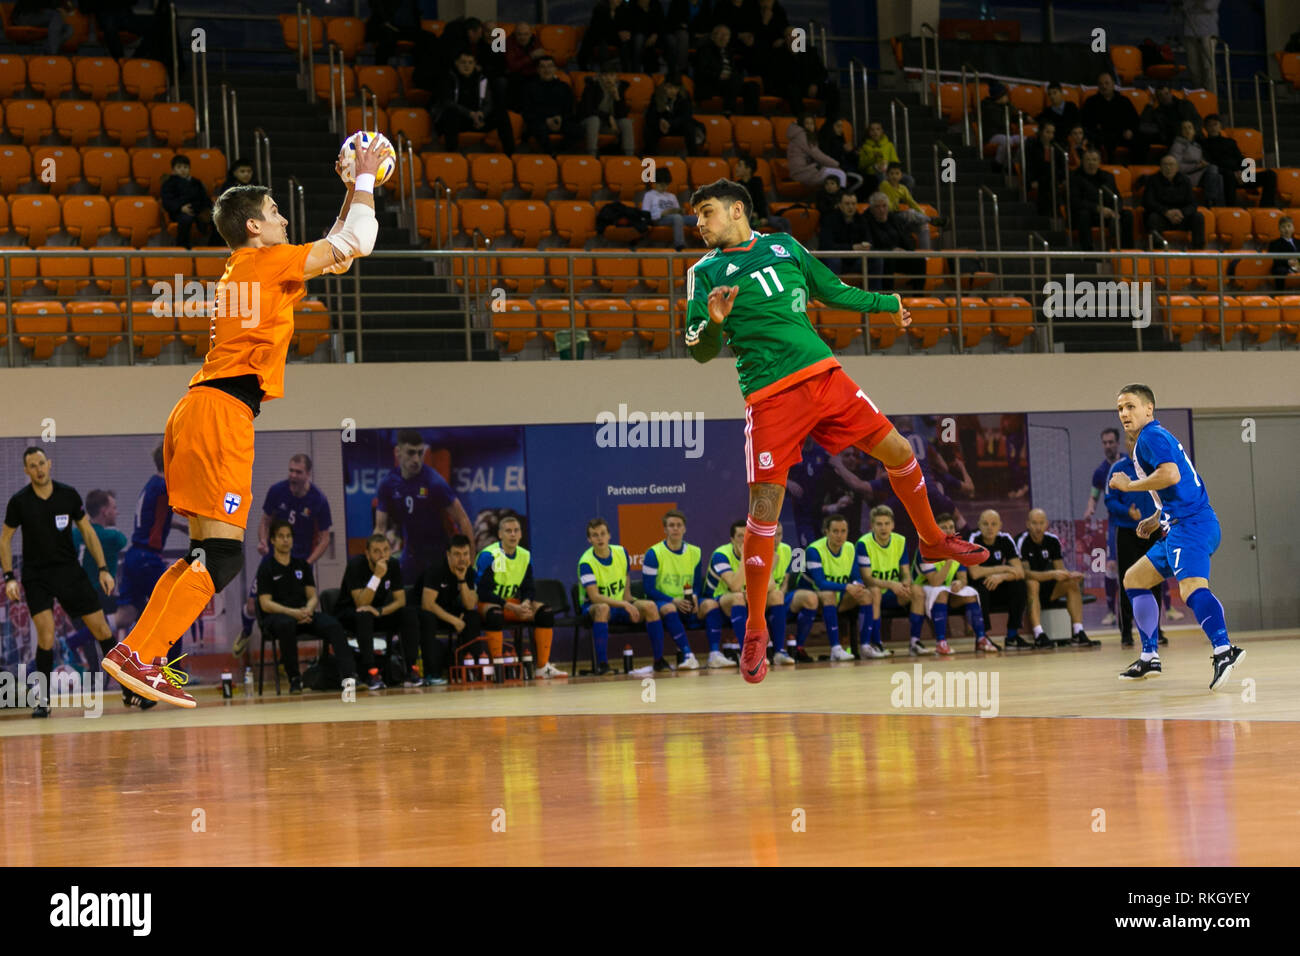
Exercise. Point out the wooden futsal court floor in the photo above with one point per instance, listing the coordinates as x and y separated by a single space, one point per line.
814 766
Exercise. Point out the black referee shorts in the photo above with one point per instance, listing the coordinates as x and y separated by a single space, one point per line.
65 582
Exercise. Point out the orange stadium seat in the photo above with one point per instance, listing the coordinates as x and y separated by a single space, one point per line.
839 328
126 122
13 75
1013 318
949 101
1123 180
1029 98
654 273
208 166
1140 99
753 134
165 263
195 332
1263 224
1290 310
77 121
1289 66
486 215
173 122
640 90
1231 226
33 318
150 333
1260 316
781 130
1208 271
78 25
1210 316
678 167
931 320
34 217
559 41
311 326
150 166
706 169
19 33
374 119
110 273
529 221
653 323
346 33
1250 141
536 173
553 316
610 322
1185 316
50 76
209 267
99 77
322 77
492 173
786 186
451 168
291 27
431 215
144 80
581 175
57 166
15 168
411 93
717 132
86 218
804 220
1205 101
414 123
1288 185
623 177
65 276
514 325
617 275
29 120
557 269
1252 272
976 318
522 274
96 327
380 80
575 221
1173 273
106 168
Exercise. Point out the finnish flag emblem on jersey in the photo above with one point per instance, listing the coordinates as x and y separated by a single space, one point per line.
231 503
61 522
780 251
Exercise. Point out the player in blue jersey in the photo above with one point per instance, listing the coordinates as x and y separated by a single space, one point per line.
415 503
1192 535
1111 453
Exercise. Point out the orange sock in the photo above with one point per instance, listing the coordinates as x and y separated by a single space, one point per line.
152 612
185 602
495 643
542 638
760 544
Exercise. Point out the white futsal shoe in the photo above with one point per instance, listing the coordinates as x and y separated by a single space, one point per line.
718 660
692 663
838 653
782 657
550 670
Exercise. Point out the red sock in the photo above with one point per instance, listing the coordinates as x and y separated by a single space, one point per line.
909 484
760 544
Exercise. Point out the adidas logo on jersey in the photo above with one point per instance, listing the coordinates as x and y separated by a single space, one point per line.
732 268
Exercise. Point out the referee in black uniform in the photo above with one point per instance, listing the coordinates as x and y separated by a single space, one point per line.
46 510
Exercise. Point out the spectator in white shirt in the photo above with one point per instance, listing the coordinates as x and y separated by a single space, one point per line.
664 208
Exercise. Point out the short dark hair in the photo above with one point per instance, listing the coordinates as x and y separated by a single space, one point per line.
240 163
941 518
180 160
1051 86
1143 391
746 159
674 513
1110 431
276 525
409 436
302 457
158 457
831 519
31 450
674 77
893 166
97 500
596 523
473 23
731 532
725 191
1211 117
234 208
543 59
377 538
458 541
663 175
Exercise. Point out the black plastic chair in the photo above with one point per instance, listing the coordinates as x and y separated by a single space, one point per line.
328 598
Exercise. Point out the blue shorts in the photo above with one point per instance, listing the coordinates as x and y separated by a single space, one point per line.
888 599
617 615
141 569
1186 549
1111 531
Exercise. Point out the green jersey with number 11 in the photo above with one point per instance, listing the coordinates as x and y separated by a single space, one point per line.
768 328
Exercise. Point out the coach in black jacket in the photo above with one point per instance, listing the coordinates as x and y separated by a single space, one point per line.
1170 202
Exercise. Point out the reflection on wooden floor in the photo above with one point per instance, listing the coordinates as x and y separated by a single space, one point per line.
688 778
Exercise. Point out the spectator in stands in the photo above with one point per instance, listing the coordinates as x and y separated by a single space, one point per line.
187 202
688 22
664 208
608 36
1170 203
999 581
1162 120
241 174
759 218
887 231
48 14
830 140
648 34
1076 144
770 31
112 17
466 33
718 74
1200 25
827 199
603 108
524 52
1112 122
1088 189
448 600
1193 165
995 113
1285 244
875 154
548 109
394 20
797 74
841 229
899 196
1044 165
808 164
741 18
467 104
371 598
1047 580
1059 111
671 114
1225 154
286 596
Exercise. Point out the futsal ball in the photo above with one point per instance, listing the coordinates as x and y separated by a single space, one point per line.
359 141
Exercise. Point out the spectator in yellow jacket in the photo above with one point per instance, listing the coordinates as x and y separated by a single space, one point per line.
876 153
899 195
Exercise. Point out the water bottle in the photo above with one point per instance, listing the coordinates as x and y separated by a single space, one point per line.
498 669
528 664
469 668
248 682
485 665
628 659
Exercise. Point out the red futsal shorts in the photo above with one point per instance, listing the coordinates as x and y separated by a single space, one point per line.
830 407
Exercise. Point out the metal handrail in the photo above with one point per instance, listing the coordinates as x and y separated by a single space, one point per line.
938 188
861 129
340 78
262 155
1069 213
176 59
997 221
229 122
1259 113
1024 158
907 129
311 62
1215 43
297 212
438 235
925 88
207 121
333 124
965 108
1101 219
302 53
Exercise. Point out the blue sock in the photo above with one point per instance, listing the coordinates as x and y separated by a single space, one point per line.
975 618
776 625
656 631
866 624
739 615
915 621
831 616
713 627
803 624
939 615
245 622
1146 614
1209 613
600 634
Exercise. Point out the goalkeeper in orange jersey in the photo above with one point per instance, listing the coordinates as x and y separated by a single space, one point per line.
208 442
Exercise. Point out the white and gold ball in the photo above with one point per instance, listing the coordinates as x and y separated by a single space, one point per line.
359 141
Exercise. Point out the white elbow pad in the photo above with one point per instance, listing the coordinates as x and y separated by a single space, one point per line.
357 237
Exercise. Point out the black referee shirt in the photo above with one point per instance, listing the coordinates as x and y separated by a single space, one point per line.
46 524
1001 551
358 575
1038 556
285 584
440 578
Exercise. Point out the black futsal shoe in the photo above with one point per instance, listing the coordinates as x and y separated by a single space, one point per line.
661 665
295 685
1223 665
801 656
1141 670
1161 640
1081 639
1016 641
40 710
602 669
1126 641
1043 640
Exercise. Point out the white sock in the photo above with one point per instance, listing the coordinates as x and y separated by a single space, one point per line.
1222 650
1150 657
1077 628
1038 629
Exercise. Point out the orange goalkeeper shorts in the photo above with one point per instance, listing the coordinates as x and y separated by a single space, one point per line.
208 456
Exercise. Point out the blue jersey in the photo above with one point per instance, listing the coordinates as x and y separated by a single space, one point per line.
1157 445
153 516
415 508
306 515
1117 502
1101 474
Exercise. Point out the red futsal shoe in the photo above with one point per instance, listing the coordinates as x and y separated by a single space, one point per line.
753 657
955 548
147 680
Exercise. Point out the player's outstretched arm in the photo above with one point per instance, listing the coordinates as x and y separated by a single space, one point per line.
360 228
825 286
